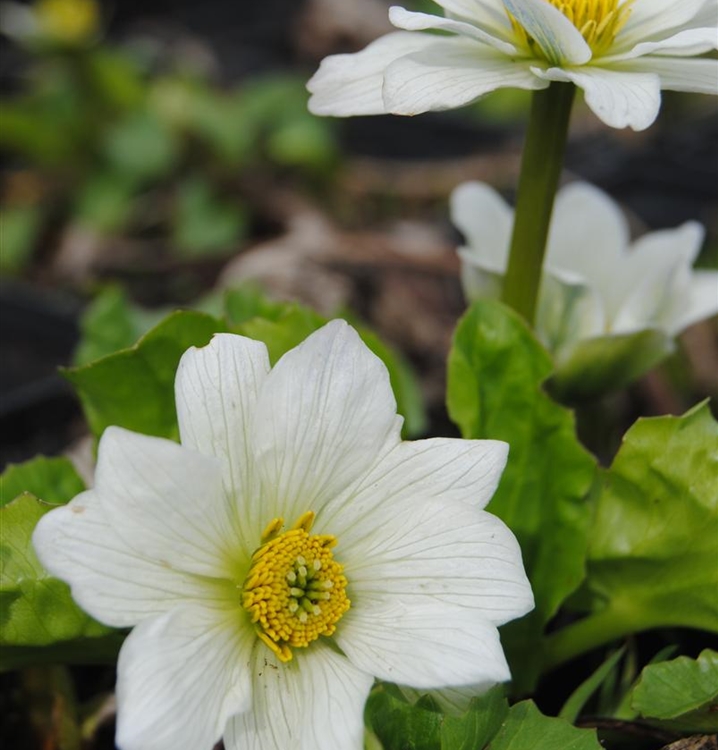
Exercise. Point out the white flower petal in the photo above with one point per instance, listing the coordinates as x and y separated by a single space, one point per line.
476 281
326 414
656 252
589 236
447 73
217 389
489 15
436 552
707 16
671 314
423 646
450 73
685 43
702 300
652 265
585 214
449 470
180 677
646 308
559 40
569 310
486 221
109 580
410 21
165 501
652 19
620 98
699 76
351 84
314 701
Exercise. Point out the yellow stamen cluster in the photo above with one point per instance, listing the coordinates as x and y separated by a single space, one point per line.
295 590
69 21
598 21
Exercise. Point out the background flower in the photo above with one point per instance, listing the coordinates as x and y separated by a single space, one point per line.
599 291
178 541
620 52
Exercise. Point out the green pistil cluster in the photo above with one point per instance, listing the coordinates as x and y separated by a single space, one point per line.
307 589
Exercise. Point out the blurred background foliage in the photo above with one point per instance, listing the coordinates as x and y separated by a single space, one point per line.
124 140
122 121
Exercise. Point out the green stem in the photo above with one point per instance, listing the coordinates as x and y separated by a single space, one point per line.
585 635
540 171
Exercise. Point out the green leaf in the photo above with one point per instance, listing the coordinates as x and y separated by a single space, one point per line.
581 695
203 224
478 725
217 119
30 128
684 691
249 301
274 100
487 725
211 116
116 77
371 741
284 330
110 323
141 147
37 609
304 142
410 402
52 480
526 728
654 542
20 226
105 202
273 111
134 388
624 710
289 326
402 726
496 368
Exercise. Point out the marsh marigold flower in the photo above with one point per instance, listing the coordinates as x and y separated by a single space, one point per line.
289 551
597 285
620 52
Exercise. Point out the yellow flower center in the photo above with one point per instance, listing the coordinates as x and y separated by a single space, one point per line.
69 21
295 590
598 21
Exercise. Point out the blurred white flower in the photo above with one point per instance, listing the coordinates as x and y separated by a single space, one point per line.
620 52
597 286
291 549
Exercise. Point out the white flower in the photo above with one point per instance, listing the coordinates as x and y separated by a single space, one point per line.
620 52
289 551
596 283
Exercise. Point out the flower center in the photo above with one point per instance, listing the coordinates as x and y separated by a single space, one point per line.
598 21
295 589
